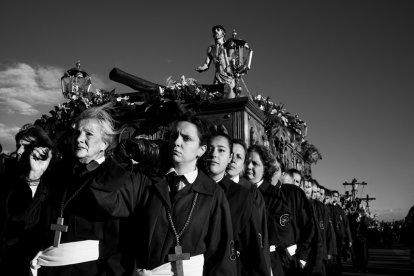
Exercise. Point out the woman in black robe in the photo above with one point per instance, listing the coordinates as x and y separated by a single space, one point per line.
290 224
184 211
247 209
22 199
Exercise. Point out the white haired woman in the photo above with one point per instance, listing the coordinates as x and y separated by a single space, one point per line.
79 239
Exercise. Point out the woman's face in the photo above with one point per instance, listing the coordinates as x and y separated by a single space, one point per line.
308 189
22 145
88 143
255 168
236 165
219 157
185 144
277 176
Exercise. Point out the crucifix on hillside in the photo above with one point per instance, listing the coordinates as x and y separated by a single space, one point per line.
354 187
367 199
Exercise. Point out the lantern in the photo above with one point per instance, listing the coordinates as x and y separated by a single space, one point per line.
240 57
75 81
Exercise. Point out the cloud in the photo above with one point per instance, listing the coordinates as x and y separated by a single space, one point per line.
7 134
23 88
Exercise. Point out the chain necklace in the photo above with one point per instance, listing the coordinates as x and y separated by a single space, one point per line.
178 235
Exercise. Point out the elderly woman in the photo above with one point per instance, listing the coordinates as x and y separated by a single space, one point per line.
183 222
78 239
290 222
24 196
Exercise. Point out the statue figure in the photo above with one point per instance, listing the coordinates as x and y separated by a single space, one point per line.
218 55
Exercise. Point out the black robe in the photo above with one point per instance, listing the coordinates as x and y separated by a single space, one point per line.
85 220
290 222
209 231
248 214
21 230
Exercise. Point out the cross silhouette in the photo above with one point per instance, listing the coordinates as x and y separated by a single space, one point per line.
178 258
58 228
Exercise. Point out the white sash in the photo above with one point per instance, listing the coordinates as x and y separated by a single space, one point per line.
192 267
66 254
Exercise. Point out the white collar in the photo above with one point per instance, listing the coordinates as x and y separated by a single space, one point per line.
191 176
100 160
259 183
236 179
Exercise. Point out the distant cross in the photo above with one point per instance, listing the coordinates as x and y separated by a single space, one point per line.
58 228
178 258
354 185
367 199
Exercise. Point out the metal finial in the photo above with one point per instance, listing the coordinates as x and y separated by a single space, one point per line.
234 33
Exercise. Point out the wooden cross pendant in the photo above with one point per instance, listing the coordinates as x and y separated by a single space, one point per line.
58 228
178 258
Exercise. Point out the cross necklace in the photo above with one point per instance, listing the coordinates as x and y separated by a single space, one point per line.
59 227
179 256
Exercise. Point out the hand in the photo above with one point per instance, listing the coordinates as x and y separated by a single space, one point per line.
39 161
201 68
302 264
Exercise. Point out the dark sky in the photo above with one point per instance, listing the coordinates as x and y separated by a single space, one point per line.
345 67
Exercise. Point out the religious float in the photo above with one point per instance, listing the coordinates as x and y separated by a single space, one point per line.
146 113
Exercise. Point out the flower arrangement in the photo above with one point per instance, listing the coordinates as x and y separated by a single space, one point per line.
187 90
278 116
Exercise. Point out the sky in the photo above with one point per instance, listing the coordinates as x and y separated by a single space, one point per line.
344 67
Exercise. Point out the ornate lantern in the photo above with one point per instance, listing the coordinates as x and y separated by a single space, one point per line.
75 81
240 57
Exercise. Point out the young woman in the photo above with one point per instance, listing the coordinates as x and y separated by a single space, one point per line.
290 222
185 211
23 199
237 164
247 209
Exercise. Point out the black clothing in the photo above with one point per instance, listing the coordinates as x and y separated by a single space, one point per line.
248 214
290 222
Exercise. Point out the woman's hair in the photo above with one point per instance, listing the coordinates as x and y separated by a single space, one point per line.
239 142
267 159
36 135
202 130
103 116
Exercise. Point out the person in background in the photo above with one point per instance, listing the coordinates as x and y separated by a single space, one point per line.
23 197
236 168
290 224
248 213
292 176
409 221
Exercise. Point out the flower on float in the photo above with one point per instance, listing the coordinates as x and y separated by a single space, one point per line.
162 91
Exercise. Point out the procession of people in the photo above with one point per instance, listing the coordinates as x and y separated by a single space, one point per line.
210 204
218 208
